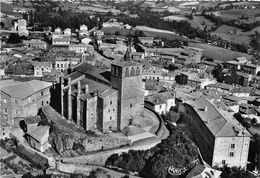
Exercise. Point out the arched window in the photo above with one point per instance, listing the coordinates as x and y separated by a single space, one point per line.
126 72
132 71
138 71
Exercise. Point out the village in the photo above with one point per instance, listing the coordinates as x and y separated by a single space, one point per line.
80 101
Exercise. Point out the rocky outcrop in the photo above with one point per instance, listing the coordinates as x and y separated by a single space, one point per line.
61 142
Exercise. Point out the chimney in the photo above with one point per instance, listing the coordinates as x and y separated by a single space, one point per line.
86 89
206 108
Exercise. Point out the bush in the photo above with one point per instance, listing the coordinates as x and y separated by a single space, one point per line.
34 158
176 150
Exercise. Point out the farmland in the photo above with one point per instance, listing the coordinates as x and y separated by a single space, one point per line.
217 53
200 22
235 14
232 34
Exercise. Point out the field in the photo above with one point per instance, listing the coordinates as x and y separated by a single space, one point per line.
147 32
217 53
174 17
228 15
199 20
232 34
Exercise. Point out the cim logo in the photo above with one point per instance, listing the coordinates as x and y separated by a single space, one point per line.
176 171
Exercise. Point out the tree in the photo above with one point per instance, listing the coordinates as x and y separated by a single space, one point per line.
254 121
14 38
2 25
235 172
217 73
117 33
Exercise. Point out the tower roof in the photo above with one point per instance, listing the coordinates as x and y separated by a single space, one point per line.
126 63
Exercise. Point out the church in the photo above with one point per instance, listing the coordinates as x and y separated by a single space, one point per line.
104 99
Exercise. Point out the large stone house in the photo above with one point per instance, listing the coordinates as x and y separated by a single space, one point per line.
23 99
103 99
222 140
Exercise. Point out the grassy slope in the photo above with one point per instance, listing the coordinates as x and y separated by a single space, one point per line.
224 31
217 53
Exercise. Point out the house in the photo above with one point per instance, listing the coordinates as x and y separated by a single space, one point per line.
222 140
222 87
241 60
83 27
38 138
242 91
200 171
41 67
62 64
196 80
31 97
137 56
5 129
83 30
61 41
67 31
250 69
35 43
86 40
232 65
81 48
146 40
160 102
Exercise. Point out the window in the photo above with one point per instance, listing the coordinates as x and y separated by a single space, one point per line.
126 72
231 154
58 65
223 162
16 101
109 110
110 102
232 146
138 71
110 118
131 105
160 106
132 71
42 93
5 109
42 103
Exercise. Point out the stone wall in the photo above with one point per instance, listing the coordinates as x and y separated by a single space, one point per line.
104 143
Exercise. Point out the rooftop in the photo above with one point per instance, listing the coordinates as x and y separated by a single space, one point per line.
95 72
25 89
126 63
220 123
160 98
220 85
39 132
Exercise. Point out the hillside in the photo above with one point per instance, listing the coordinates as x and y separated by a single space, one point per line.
217 53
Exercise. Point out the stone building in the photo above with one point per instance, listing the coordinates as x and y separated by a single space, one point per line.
222 140
103 99
41 67
23 99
